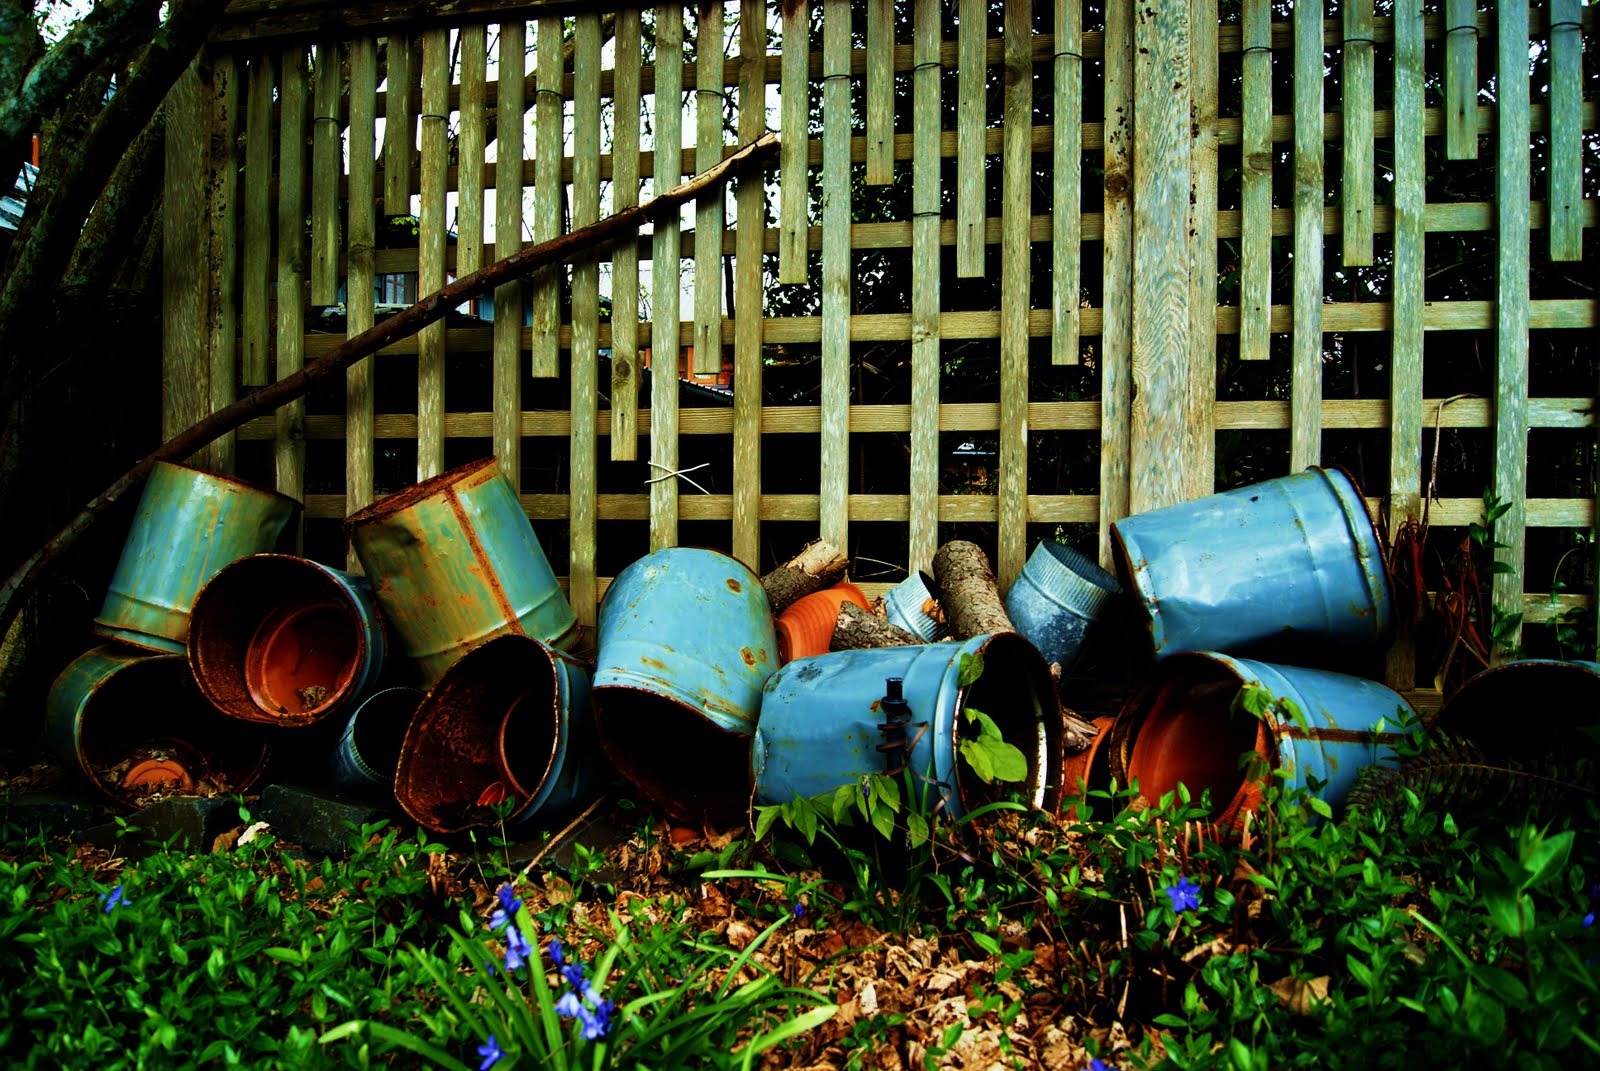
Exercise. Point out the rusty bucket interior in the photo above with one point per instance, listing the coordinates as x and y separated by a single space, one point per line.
681 760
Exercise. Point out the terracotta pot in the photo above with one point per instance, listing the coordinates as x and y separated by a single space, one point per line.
806 627
1088 769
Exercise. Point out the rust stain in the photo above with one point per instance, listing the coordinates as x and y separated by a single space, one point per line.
747 654
480 557
654 662
734 586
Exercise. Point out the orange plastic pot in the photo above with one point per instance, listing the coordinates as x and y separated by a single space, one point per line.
806 627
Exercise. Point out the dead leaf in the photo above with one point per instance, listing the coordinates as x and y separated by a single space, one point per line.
740 933
1300 995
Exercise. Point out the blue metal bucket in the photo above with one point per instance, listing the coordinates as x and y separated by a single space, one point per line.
368 750
1183 728
1565 696
686 642
510 720
1295 561
1056 600
455 562
821 722
903 605
189 525
132 720
286 641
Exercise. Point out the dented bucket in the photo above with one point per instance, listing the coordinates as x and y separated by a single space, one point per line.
1184 728
823 723
1057 599
285 641
906 605
368 751
454 562
510 721
1293 561
189 525
686 642
133 722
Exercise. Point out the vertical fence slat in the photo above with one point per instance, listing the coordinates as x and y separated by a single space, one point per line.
880 91
747 294
256 300
359 293
585 315
1305 393
1200 416
835 448
431 227
1067 203
1565 167
665 265
1161 132
227 82
625 254
925 266
1356 105
399 128
470 145
1015 284
1405 363
186 242
326 146
1116 332
289 440
509 123
547 195
972 47
708 215
1461 80
793 218
1511 309
1255 194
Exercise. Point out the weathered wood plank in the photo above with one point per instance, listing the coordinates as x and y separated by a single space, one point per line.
880 92
256 299
1067 201
399 127
625 256
185 278
1015 286
1255 194
508 297
1356 108
361 233
1305 436
925 267
226 160
1199 415
326 148
793 204
289 444
432 226
1511 311
665 266
1565 166
971 97
1161 336
547 195
470 145
585 317
1116 336
833 479
747 296
1461 80
709 211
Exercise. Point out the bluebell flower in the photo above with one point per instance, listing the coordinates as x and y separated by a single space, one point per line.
112 899
518 950
490 1051
1099 1065
1588 920
555 951
1185 895
508 907
799 910
596 1023
582 1001
569 1006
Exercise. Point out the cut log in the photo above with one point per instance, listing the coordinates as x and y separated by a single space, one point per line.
1076 733
858 629
968 591
818 566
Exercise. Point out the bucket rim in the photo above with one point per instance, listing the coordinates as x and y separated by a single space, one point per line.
439 485
228 480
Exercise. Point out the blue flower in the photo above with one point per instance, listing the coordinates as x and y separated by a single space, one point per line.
799 910
518 950
1099 1065
490 1051
555 951
597 1023
507 909
573 973
1588 920
112 899
1185 895
569 1006
582 1001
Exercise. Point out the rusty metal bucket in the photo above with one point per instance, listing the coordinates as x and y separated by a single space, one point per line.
1566 696
132 721
285 641
368 751
454 562
188 526
510 720
686 642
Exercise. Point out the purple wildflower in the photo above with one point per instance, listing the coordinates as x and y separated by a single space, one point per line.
490 1051
112 899
508 907
1185 895
518 950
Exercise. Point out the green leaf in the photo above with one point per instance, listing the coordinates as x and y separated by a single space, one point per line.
1318 804
793 1028
887 791
843 796
1485 1017
1511 914
1547 856
917 831
971 669
977 757
1359 971
883 822
765 816
1170 1020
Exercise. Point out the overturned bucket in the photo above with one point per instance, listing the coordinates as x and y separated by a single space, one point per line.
1184 728
368 751
188 526
1293 561
907 606
686 642
134 724
510 721
1057 599
285 641
823 723
1567 698
454 562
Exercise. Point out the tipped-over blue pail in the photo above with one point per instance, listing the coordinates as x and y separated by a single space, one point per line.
1560 699
1056 600
906 605
368 750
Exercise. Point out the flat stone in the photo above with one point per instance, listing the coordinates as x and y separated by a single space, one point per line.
184 823
56 814
317 820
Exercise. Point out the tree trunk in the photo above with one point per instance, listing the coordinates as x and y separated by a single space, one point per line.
857 629
968 591
818 566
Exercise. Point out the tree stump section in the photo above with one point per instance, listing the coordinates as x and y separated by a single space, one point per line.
818 566
857 629
968 591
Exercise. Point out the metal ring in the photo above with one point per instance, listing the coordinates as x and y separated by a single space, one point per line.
1472 27
831 77
552 93
715 92
924 215
1257 48
324 118
1360 41
1069 55
1565 26
929 63
432 115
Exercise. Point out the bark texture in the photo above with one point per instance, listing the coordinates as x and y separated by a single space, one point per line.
968 591
820 565
857 629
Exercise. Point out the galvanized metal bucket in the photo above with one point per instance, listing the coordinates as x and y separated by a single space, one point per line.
823 726
132 720
686 642
455 562
1057 599
1565 696
286 641
188 526
1294 561
368 751
1183 728
510 721
905 605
